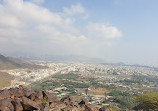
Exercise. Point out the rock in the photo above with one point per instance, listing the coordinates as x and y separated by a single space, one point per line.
22 99
51 104
70 108
58 106
83 103
38 97
4 94
19 92
47 97
66 109
16 92
28 104
90 108
68 100
39 94
27 92
32 96
17 105
104 108
6 105
44 107
21 87
38 101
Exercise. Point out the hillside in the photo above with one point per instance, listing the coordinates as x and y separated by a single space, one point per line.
5 79
22 99
13 63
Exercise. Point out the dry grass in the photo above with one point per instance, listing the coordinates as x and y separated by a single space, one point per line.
5 79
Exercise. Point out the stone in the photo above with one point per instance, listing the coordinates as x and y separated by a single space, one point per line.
51 104
47 96
104 108
28 104
90 108
68 100
17 105
6 105
44 107
4 94
83 103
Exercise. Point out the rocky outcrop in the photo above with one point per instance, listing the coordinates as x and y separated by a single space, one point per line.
22 99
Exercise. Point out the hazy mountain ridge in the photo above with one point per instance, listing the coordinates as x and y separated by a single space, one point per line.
60 58
13 63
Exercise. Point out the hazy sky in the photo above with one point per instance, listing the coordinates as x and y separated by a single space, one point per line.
115 30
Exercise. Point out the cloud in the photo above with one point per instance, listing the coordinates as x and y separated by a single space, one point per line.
38 1
28 27
103 31
75 9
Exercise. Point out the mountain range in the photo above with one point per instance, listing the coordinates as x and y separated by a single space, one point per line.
14 63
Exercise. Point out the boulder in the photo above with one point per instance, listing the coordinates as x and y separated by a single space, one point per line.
19 92
66 109
58 106
4 94
68 100
104 108
17 105
6 105
51 104
44 107
39 94
28 104
32 96
83 103
90 108
46 96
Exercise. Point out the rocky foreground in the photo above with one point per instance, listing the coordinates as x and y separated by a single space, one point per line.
22 99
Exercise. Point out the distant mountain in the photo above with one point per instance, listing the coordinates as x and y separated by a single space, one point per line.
13 63
135 65
63 58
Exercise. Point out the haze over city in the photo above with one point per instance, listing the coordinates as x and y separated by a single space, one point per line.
112 30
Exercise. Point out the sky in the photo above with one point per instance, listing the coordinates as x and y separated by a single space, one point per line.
113 30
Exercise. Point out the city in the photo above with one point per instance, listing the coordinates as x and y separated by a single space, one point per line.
98 83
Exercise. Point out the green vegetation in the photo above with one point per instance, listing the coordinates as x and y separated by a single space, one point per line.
67 76
70 84
45 100
47 85
147 101
124 99
95 83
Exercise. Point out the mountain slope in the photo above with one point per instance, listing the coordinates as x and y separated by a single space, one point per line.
5 79
13 63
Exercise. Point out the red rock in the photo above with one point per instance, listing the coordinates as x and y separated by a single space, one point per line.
83 103
4 94
104 108
52 105
17 105
32 96
21 87
68 100
47 96
6 105
39 94
90 108
44 107
28 104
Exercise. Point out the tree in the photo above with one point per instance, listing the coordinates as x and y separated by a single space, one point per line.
147 101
